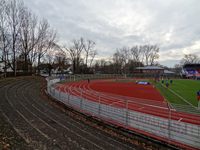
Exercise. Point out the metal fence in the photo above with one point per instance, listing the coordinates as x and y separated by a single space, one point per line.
167 129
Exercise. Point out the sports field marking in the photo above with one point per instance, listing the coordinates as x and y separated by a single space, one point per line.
182 98
179 96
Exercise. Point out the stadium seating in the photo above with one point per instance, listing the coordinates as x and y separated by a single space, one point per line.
191 71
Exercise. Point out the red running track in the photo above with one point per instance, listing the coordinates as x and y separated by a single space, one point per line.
130 89
141 98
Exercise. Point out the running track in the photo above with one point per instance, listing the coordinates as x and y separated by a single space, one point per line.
156 105
44 126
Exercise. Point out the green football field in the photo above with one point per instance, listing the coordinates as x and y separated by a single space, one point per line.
181 91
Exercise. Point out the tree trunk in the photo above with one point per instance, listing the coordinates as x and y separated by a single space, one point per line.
38 68
5 66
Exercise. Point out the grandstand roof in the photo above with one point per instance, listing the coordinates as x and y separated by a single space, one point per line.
191 65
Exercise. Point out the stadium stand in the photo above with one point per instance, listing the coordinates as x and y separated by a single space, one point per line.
191 71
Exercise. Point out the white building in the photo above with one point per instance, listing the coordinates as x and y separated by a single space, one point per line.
2 67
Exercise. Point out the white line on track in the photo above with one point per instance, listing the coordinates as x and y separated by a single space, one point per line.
17 130
70 88
60 124
43 134
113 103
46 136
180 119
141 108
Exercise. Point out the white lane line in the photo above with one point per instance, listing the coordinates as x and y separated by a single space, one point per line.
180 119
46 136
34 113
17 130
60 124
88 132
43 134
111 104
141 108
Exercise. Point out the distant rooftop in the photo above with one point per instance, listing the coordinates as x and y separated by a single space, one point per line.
168 72
150 68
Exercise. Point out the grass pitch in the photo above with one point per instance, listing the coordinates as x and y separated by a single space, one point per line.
180 91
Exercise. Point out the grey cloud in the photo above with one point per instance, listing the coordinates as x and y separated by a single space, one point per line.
173 25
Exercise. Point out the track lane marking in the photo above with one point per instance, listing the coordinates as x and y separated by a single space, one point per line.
45 135
71 130
69 87
11 104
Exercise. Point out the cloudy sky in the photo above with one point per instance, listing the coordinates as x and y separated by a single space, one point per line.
174 25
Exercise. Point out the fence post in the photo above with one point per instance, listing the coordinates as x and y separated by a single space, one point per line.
81 99
59 93
99 111
169 123
126 112
68 96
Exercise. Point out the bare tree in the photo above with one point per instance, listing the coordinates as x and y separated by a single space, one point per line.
92 56
117 62
27 36
147 52
190 59
46 40
22 35
150 54
177 68
59 58
75 53
135 52
124 56
88 48
154 55
126 59
14 10
4 37
49 59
